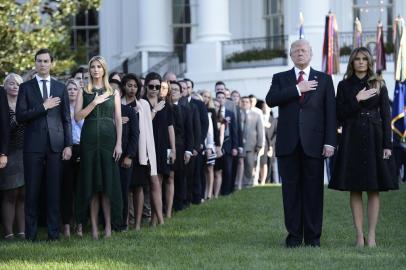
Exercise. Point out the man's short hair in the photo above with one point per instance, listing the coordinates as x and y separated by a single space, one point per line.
220 93
44 51
79 70
220 83
189 80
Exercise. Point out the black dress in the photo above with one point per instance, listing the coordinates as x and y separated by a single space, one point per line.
366 132
13 174
162 120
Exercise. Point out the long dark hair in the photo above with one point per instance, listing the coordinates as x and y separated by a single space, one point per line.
374 81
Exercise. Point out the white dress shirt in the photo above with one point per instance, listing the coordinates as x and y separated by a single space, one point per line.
305 76
39 80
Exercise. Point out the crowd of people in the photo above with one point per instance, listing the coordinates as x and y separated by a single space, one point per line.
146 147
136 148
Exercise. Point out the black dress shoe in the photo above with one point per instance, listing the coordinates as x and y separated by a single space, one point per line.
315 243
292 242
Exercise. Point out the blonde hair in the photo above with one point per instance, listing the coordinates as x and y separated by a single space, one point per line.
102 61
74 82
210 103
15 77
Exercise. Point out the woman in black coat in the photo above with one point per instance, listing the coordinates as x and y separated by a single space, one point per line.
364 153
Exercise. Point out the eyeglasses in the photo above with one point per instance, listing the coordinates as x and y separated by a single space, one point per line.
156 87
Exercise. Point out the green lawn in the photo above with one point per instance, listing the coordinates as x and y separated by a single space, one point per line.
242 231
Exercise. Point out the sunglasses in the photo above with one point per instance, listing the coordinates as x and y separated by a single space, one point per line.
156 87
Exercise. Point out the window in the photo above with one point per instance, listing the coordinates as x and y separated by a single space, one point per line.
85 35
274 17
182 26
370 11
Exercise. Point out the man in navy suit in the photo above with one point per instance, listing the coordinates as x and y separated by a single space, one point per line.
43 106
306 134
230 145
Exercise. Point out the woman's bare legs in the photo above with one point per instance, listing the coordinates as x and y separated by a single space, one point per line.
217 182
169 193
138 201
156 199
94 213
358 215
373 214
209 171
107 215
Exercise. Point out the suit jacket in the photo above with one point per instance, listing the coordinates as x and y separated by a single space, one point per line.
4 122
252 131
131 132
204 119
270 135
311 122
195 121
230 133
230 105
43 125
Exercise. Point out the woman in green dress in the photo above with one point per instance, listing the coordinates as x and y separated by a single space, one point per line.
100 149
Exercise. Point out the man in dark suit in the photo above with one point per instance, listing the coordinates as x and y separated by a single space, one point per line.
43 105
193 187
4 128
198 179
306 134
230 145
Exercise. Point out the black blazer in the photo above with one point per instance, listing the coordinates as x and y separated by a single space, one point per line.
131 132
4 122
195 120
231 133
42 124
312 122
204 119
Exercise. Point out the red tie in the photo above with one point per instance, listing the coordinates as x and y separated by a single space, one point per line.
301 73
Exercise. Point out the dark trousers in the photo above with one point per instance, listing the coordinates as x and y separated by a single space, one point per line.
302 190
227 184
199 180
33 173
234 172
125 177
189 171
68 185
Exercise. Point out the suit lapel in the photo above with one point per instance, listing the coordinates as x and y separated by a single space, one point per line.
292 77
35 89
312 76
52 92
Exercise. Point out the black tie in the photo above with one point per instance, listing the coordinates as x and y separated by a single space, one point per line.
44 89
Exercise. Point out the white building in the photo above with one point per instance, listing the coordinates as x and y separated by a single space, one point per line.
195 37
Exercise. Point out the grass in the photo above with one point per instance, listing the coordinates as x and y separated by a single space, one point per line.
242 231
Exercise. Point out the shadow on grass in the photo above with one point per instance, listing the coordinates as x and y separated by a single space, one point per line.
242 231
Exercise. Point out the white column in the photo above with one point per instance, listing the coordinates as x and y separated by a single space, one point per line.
204 54
154 25
213 20
110 41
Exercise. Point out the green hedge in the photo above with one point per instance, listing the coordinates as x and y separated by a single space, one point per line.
256 54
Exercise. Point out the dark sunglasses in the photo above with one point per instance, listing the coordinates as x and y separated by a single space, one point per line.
157 87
